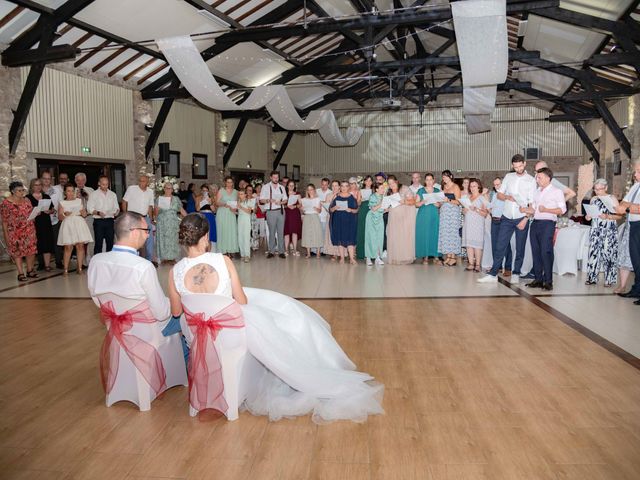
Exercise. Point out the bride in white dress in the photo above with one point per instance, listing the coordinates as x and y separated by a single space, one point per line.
304 369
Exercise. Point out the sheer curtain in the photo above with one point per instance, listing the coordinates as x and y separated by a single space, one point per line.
192 71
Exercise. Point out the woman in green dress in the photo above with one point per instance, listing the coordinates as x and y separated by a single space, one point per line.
427 222
365 193
168 213
226 222
374 226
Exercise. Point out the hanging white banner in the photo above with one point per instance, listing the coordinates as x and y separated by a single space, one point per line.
481 37
192 71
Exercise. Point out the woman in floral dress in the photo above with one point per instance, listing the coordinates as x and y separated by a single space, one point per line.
168 215
19 232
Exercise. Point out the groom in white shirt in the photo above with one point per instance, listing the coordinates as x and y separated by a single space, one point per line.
122 272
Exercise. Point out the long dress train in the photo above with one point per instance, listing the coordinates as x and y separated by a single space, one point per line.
305 370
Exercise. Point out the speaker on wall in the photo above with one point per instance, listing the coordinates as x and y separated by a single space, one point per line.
163 158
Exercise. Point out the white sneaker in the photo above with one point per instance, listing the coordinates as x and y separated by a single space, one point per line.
379 262
384 254
369 262
488 279
514 279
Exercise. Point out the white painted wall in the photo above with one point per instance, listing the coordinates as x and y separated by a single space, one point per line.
395 141
70 112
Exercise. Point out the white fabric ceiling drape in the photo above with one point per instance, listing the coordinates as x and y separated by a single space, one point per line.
481 36
192 71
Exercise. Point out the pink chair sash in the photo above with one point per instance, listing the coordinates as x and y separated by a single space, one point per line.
206 385
143 355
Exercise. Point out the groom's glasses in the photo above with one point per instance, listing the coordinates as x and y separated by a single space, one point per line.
140 228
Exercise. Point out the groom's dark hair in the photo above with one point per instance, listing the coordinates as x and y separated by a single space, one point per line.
125 222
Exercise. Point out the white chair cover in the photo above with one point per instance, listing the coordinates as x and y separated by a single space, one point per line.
129 384
231 345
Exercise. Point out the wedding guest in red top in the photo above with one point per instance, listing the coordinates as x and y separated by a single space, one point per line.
19 232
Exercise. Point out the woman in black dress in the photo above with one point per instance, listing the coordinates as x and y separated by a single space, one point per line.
44 229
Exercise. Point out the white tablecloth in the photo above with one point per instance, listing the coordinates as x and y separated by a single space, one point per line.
572 244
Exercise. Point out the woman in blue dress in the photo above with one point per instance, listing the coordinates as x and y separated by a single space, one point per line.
191 198
344 223
206 206
427 222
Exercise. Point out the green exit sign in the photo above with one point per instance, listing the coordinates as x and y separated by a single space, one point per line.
85 149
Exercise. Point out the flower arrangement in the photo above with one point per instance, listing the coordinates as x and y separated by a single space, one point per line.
159 185
256 181
360 180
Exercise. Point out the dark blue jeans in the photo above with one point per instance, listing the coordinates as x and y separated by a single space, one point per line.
103 232
508 259
542 232
634 253
507 227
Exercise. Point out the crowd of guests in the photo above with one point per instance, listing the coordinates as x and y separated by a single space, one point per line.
376 218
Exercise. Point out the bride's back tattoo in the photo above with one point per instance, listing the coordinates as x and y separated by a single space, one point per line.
203 271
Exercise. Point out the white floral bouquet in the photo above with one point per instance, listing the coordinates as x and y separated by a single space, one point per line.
360 180
255 182
159 185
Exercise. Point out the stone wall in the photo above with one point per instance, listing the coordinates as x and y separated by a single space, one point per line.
16 166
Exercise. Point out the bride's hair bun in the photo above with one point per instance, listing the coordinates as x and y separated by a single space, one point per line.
192 228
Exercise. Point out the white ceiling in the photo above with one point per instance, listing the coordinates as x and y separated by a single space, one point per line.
139 20
250 65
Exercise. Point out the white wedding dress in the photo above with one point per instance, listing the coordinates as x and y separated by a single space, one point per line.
305 371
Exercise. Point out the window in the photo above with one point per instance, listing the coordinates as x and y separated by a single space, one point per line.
617 162
171 169
296 173
199 166
282 168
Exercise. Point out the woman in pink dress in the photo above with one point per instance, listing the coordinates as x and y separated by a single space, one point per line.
401 229
19 232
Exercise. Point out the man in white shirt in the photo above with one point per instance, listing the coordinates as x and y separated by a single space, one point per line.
323 193
139 199
631 206
50 190
103 207
83 193
274 196
566 191
415 182
63 178
517 191
123 273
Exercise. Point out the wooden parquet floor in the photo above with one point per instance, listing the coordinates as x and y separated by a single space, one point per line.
493 389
